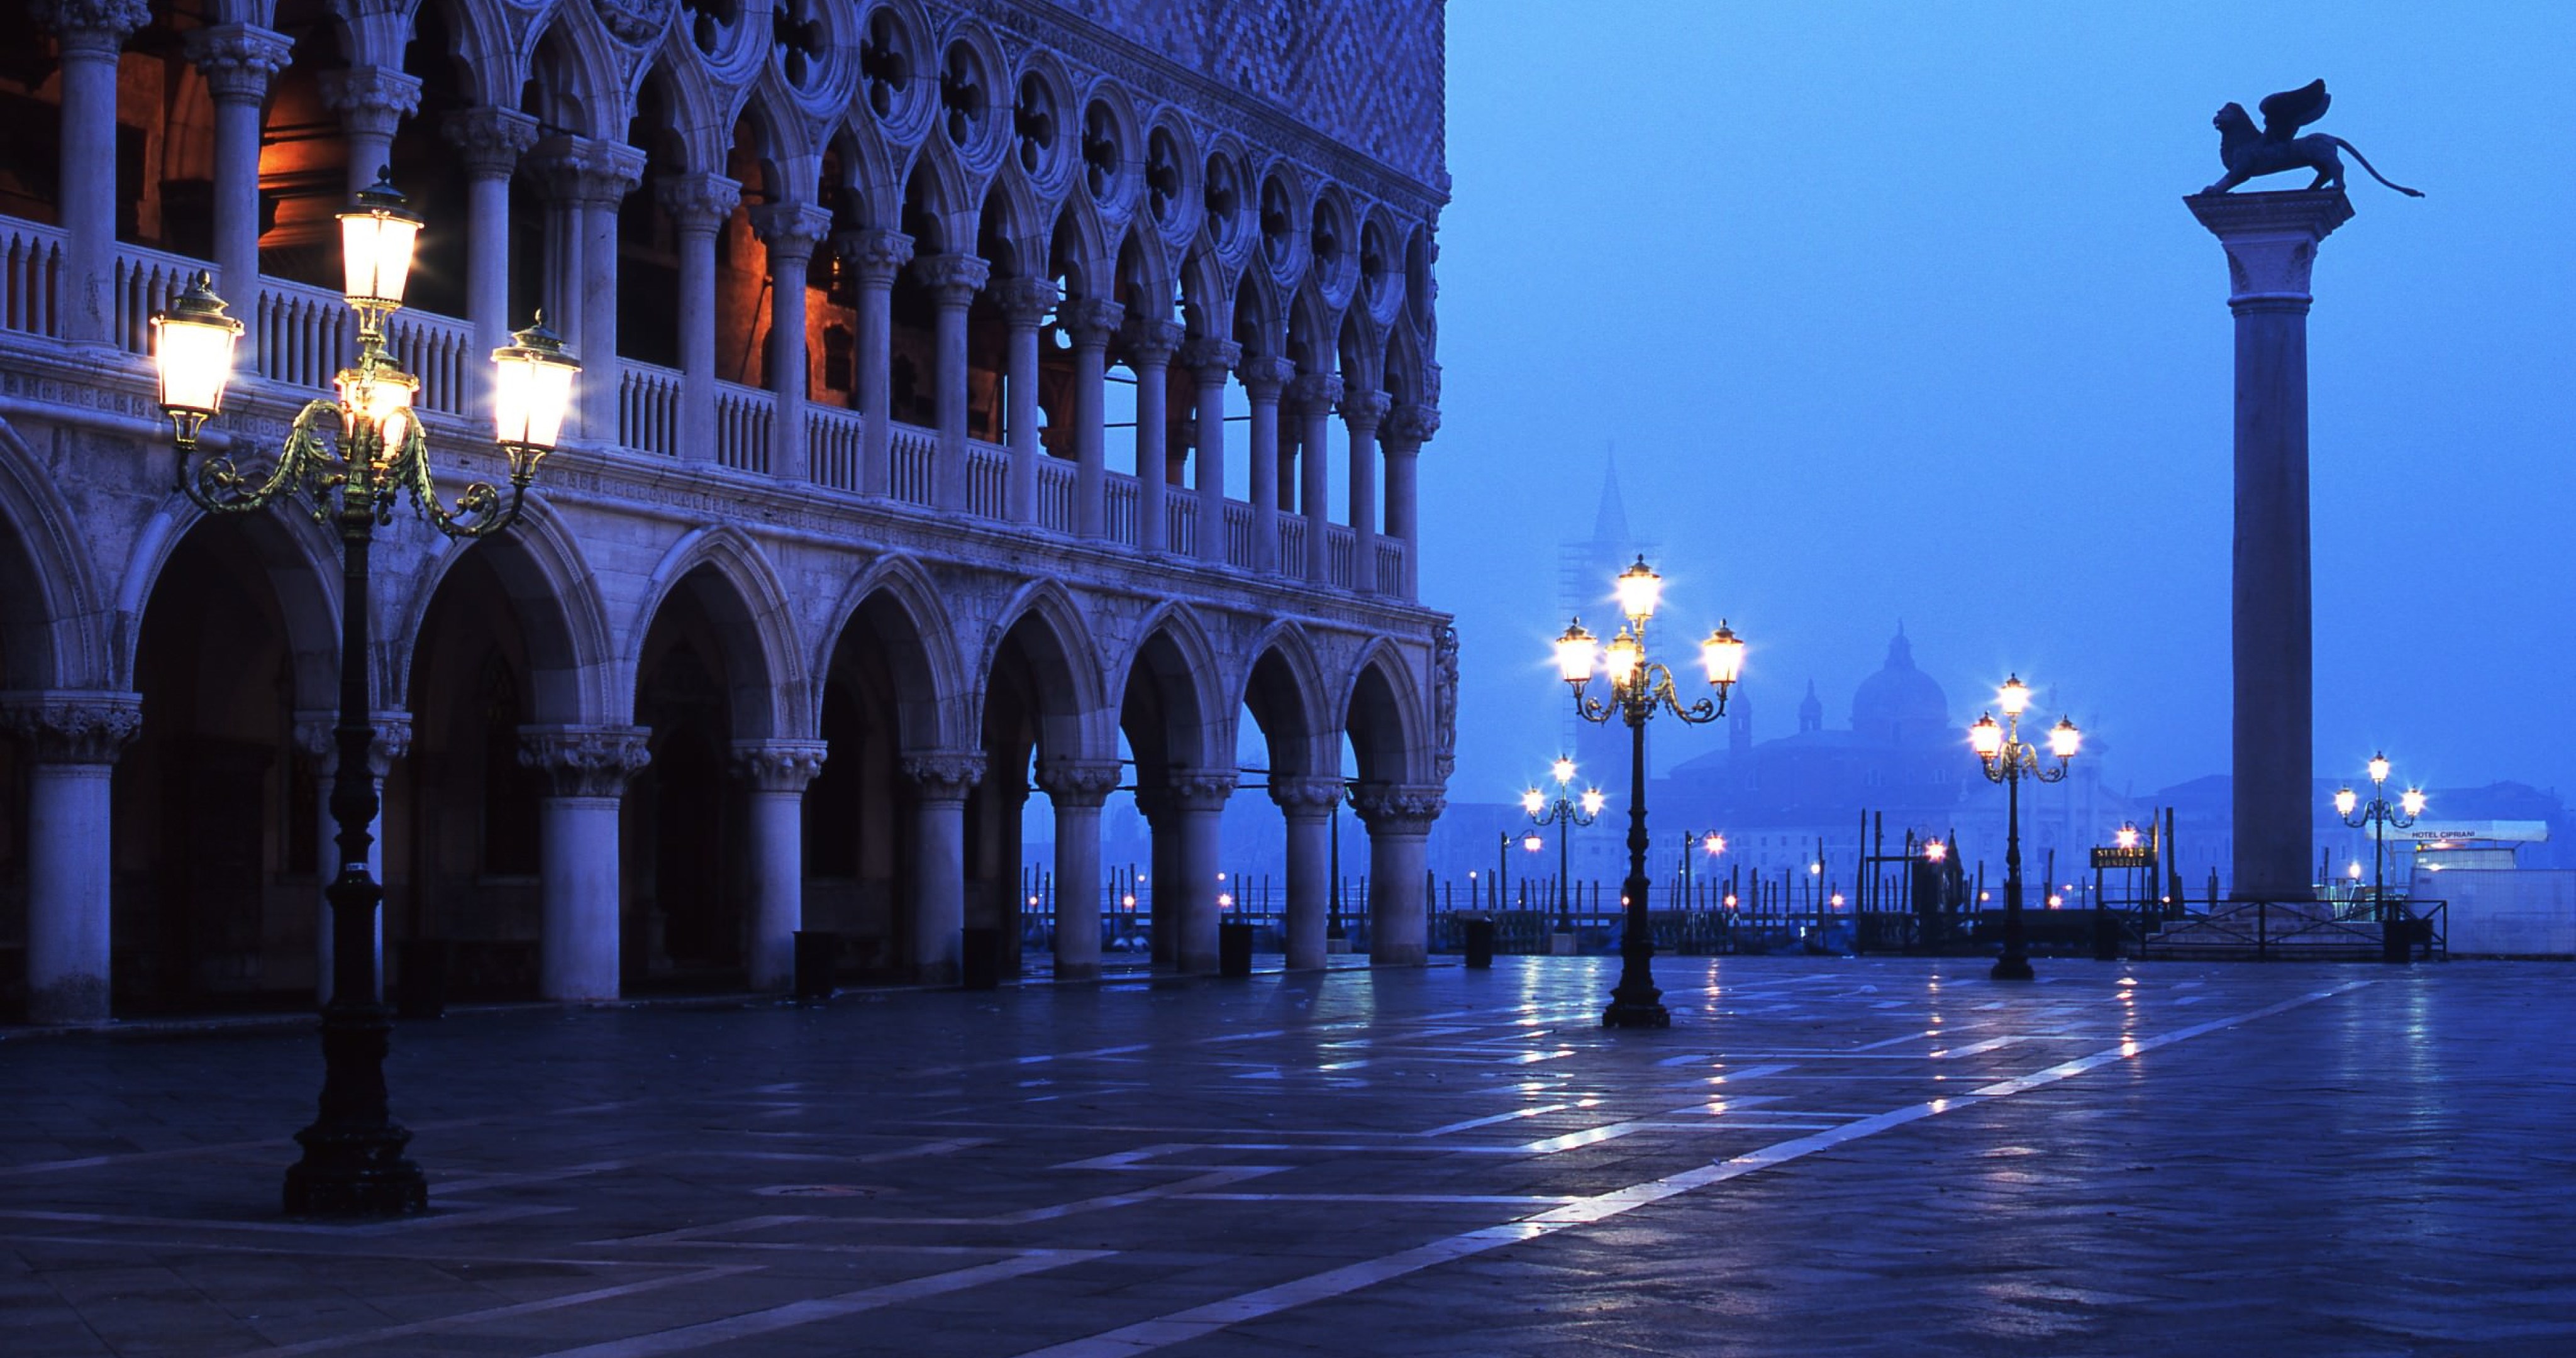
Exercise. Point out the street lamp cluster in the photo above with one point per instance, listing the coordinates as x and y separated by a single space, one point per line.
2379 817
1639 690
352 459
1569 811
2008 759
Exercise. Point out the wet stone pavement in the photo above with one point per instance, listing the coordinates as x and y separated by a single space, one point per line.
1820 1156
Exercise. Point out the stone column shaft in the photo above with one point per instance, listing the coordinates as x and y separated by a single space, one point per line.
777 771
876 256
1264 378
490 142
372 101
1198 805
2271 242
1407 428
939 861
589 180
1024 303
1150 346
1361 415
1090 321
1077 790
238 60
698 205
1315 394
1399 822
953 281
1163 850
790 230
1308 804
75 738
1211 361
589 768
89 33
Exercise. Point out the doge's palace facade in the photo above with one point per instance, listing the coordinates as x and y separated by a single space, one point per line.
918 340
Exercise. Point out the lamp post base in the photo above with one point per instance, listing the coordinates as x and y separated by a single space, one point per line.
353 1163
1636 1009
2011 968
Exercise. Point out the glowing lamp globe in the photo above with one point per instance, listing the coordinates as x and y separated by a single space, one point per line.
1592 800
2064 740
1576 653
1533 843
1714 844
2412 803
377 233
2345 800
1533 801
2379 768
192 351
1640 590
1723 654
2014 699
1986 738
1623 658
532 389
1563 769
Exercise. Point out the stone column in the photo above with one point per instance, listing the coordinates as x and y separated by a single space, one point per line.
1308 804
698 205
316 734
1264 377
589 180
1090 322
939 860
2271 242
953 281
790 231
1361 415
75 738
1315 394
489 141
1198 805
589 767
876 256
1399 821
1406 429
238 61
1024 303
372 102
1077 789
1163 850
777 771
1211 361
1150 346
89 34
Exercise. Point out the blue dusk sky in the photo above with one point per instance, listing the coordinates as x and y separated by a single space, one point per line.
1894 312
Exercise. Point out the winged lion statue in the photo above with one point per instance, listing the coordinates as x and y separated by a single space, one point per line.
2249 154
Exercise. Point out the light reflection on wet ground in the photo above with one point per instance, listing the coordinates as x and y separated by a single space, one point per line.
1820 1155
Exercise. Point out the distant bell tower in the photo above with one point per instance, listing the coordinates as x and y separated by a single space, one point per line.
1584 570
1811 711
1739 726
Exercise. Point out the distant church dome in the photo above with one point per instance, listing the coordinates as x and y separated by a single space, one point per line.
1900 704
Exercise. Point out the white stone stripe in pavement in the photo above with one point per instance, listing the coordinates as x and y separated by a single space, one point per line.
1199 1321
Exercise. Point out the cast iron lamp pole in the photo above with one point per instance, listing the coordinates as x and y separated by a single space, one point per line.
352 459
1568 811
1638 689
2379 817
2008 759
1712 843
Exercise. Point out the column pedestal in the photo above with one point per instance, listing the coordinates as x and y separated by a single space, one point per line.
588 767
2271 243
939 862
75 738
1399 821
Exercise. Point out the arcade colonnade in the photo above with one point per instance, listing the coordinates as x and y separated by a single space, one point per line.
835 571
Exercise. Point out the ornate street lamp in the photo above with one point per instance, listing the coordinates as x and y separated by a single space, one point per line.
1711 843
352 459
2008 759
1639 689
1569 811
2379 817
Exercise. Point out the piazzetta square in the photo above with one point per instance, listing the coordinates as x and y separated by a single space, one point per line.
1087 677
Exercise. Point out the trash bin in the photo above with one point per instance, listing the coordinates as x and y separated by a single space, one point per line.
1234 950
980 968
1480 941
2397 940
816 950
420 981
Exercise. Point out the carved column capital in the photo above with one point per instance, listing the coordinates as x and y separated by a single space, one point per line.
1264 376
945 775
697 203
1211 359
1306 798
953 279
876 255
1364 411
1398 810
74 726
1023 301
791 230
238 60
779 765
1090 320
490 140
1200 789
1077 783
370 99
93 28
587 172
1311 392
585 761
1151 343
2271 241
1411 424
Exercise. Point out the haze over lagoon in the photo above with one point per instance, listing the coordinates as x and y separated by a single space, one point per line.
1894 312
